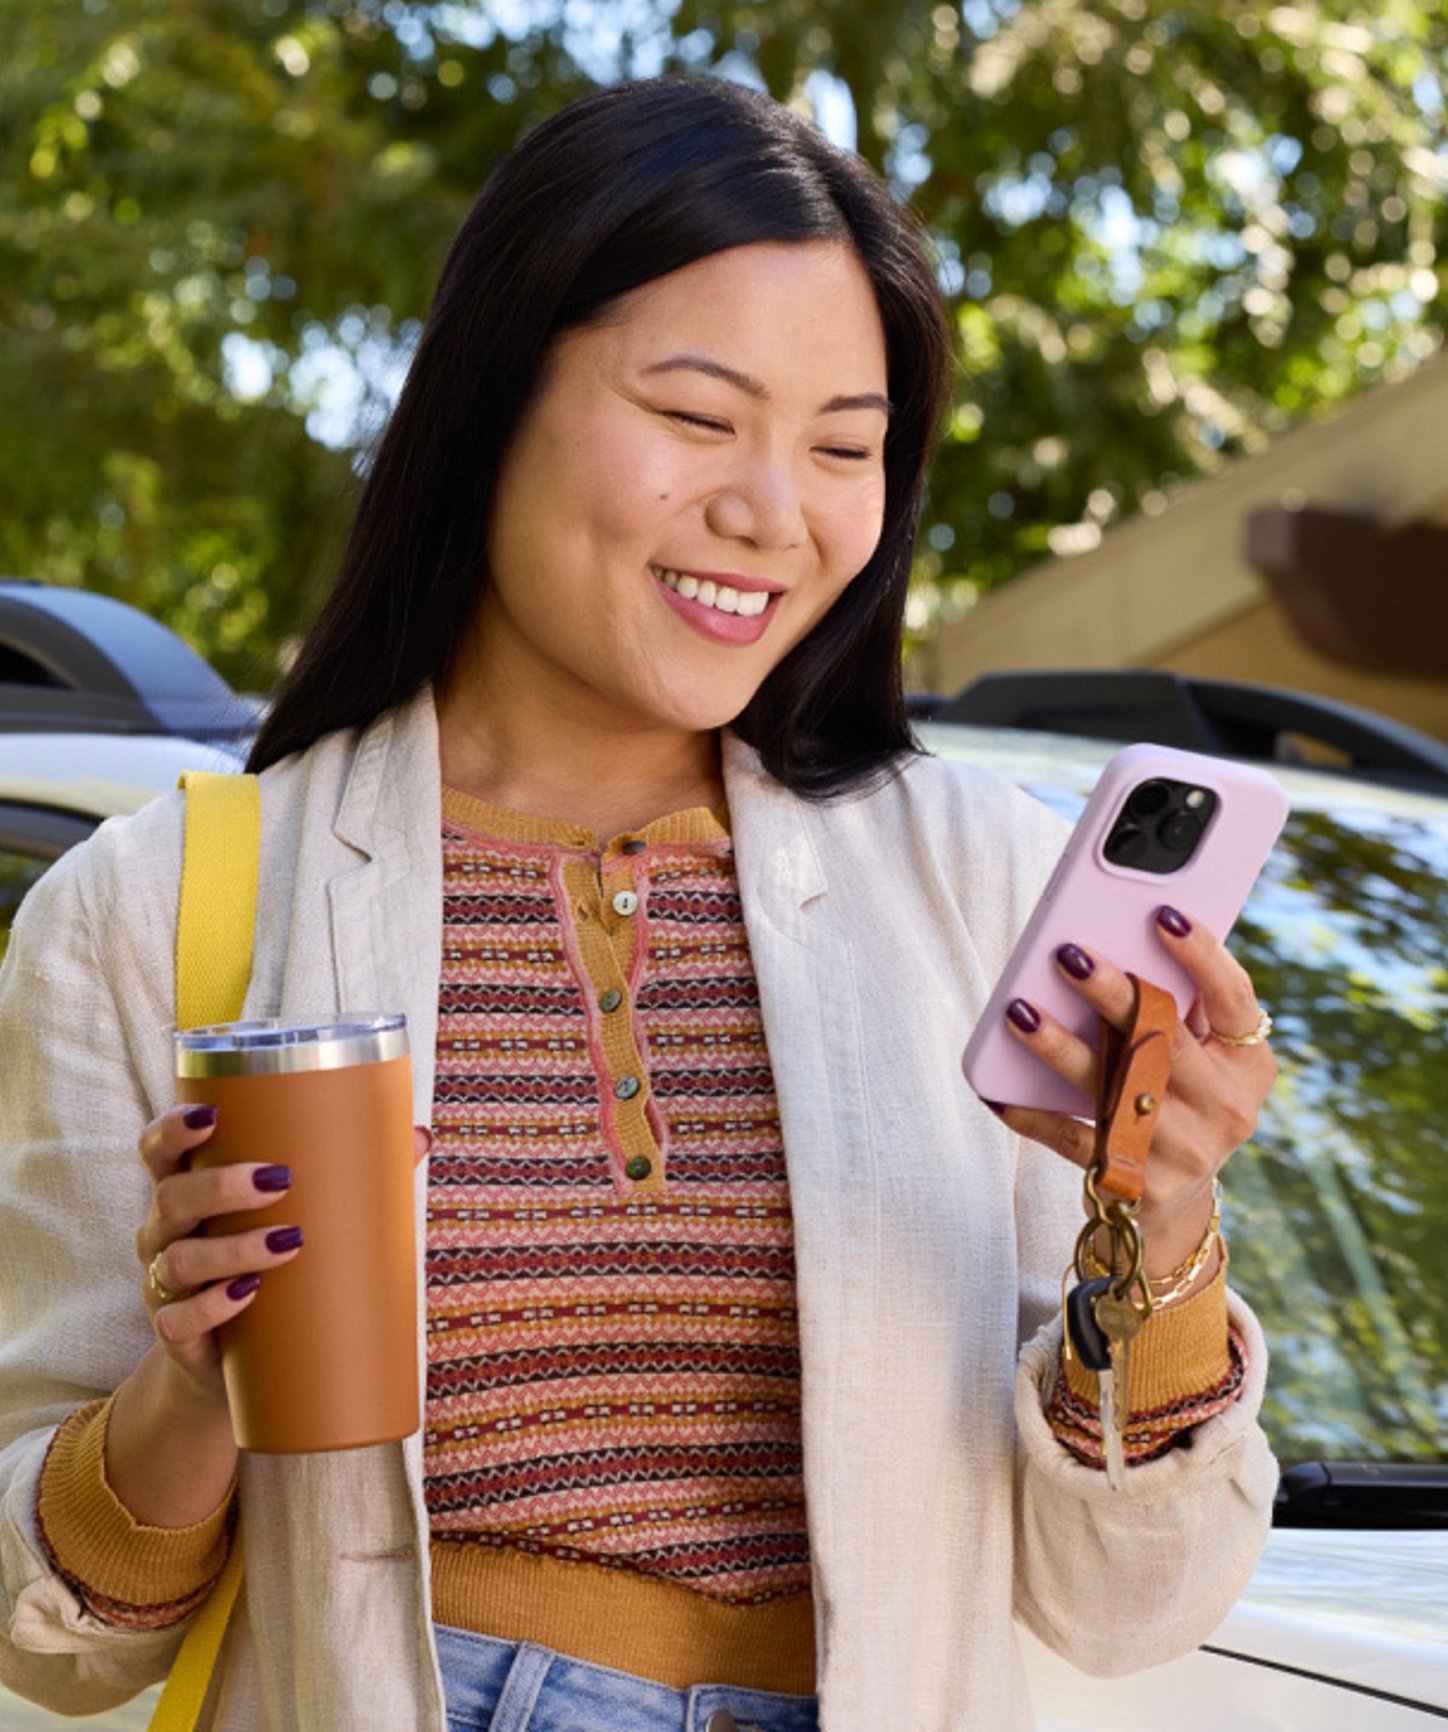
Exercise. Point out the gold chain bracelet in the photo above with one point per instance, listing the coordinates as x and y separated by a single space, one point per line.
1180 1280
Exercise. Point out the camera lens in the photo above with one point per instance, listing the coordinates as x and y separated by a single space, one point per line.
1180 833
1125 846
1149 799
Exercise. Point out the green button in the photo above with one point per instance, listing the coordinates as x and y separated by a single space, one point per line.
611 999
627 1087
638 1167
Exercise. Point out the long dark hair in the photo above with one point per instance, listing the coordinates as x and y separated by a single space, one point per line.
630 183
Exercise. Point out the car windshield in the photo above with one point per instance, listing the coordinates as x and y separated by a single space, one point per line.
1337 1211
1339 1207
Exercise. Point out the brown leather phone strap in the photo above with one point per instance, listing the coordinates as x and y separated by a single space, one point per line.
1135 1070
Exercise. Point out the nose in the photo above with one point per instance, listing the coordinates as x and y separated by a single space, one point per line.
760 504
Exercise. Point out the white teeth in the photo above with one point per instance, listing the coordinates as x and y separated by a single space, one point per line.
722 596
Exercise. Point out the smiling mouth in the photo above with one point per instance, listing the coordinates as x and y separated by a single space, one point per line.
722 597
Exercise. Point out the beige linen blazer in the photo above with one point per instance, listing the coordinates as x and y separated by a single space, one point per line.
930 1246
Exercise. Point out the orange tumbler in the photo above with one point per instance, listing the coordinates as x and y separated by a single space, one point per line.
325 1356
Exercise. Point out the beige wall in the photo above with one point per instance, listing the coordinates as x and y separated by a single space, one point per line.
1259 646
1175 591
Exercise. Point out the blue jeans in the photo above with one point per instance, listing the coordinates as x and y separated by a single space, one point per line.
494 1686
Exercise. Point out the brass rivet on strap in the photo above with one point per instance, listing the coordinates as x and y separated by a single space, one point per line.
1144 1103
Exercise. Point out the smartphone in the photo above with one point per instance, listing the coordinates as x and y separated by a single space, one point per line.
1161 826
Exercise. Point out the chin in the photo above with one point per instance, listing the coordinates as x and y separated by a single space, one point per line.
700 711
697 719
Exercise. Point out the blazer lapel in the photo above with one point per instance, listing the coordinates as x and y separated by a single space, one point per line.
812 1009
386 909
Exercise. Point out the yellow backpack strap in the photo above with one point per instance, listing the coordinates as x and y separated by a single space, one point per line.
217 922
215 931
180 1705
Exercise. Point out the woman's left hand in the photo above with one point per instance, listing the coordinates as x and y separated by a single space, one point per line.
1216 1089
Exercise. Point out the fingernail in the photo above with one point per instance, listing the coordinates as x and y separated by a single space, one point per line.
1024 1016
272 1178
198 1118
284 1238
996 1107
1176 924
1075 961
243 1287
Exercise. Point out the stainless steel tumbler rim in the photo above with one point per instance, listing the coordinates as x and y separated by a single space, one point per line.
273 1045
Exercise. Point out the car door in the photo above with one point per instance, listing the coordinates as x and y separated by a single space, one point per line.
31 838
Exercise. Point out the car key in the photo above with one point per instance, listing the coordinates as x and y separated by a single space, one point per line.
1091 1345
1119 1320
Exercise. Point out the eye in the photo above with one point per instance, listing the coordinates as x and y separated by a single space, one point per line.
707 422
852 453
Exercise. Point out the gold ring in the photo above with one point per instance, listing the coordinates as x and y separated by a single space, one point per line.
1258 1036
158 1286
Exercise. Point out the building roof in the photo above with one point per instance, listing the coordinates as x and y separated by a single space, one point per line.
1155 585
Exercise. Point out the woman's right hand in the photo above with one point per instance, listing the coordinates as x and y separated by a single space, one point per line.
192 1284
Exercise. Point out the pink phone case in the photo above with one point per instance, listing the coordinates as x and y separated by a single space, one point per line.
1111 910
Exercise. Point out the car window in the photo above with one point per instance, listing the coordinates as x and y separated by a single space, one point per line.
1338 1210
17 873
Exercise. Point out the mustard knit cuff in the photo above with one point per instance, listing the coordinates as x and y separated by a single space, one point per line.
1181 1354
98 1544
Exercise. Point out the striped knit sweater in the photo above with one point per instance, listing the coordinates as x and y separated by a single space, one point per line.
613 1354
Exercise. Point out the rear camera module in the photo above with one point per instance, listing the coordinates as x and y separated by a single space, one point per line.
1181 831
1149 799
1159 826
1126 845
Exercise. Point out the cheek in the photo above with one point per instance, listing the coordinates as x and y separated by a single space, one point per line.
854 532
631 481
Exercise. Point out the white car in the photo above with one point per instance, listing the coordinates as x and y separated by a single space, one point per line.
1337 1212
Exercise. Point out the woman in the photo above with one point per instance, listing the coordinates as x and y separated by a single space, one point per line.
596 765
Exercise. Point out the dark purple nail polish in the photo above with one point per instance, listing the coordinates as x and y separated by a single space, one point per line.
996 1107
198 1118
272 1178
243 1287
1076 962
1176 924
284 1238
1025 1016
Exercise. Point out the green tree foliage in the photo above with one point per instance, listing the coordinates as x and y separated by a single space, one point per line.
1167 231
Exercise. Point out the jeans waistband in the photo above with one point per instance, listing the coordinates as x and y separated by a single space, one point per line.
496 1686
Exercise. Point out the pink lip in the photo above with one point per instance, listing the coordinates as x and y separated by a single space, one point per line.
724 628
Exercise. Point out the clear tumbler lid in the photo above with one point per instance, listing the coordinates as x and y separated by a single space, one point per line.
277 1043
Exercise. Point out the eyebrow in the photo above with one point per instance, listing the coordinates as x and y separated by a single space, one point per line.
752 387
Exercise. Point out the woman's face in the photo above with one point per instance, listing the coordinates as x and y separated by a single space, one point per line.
693 484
